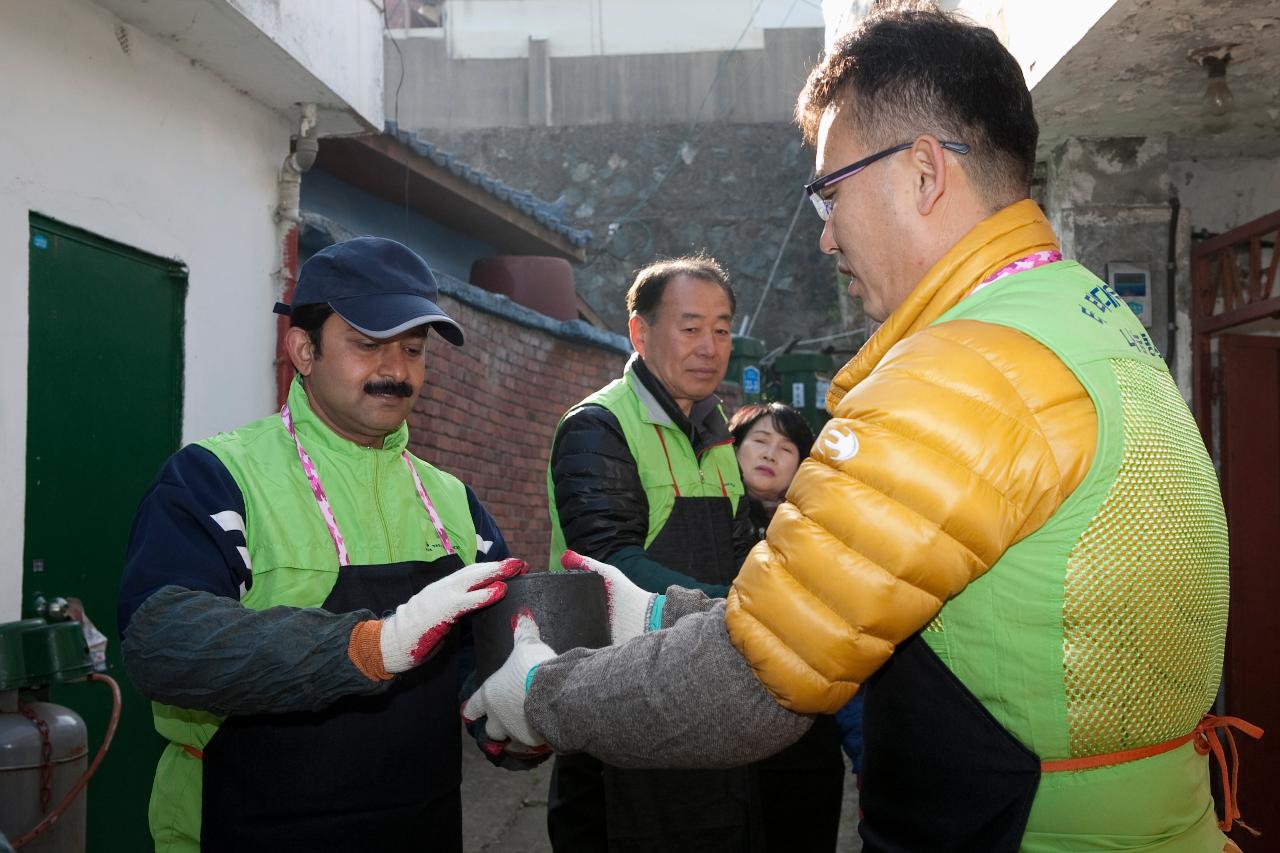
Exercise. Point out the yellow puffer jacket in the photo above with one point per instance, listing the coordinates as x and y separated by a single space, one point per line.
947 445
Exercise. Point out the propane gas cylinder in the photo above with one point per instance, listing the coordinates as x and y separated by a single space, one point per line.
43 751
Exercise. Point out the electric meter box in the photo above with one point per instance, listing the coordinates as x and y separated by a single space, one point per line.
1132 283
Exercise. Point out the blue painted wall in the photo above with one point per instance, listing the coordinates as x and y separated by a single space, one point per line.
446 250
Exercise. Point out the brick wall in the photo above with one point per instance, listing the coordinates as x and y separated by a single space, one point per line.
489 409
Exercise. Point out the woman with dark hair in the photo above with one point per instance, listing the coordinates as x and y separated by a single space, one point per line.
770 440
802 787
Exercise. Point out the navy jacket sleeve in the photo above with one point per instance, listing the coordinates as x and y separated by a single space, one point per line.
599 498
490 546
189 532
187 641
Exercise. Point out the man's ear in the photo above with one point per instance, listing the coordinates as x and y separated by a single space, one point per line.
297 343
929 160
639 331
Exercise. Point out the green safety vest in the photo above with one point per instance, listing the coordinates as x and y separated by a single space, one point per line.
663 455
293 560
1062 691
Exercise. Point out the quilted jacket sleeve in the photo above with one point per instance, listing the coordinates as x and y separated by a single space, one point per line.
963 440
598 494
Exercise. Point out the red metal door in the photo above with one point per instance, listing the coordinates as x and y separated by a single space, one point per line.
1250 370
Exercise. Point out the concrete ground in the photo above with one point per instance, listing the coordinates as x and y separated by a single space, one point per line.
507 812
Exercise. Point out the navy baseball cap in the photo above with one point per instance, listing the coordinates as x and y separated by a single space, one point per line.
380 287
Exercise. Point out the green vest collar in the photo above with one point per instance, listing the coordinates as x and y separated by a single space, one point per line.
705 426
654 413
316 434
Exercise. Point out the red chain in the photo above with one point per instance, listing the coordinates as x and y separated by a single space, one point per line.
46 754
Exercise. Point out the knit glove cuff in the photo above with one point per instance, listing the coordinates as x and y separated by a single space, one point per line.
501 698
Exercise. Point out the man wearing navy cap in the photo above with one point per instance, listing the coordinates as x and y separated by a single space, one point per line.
291 587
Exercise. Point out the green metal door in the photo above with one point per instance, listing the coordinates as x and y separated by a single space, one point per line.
104 410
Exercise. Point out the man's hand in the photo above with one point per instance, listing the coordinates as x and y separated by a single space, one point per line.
501 697
630 607
507 754
419 624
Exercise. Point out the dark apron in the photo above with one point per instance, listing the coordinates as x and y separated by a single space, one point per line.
697 540
688 810
802 790
366 773
801 787
939 772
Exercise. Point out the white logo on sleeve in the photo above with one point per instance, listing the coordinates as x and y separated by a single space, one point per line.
840 443
232 522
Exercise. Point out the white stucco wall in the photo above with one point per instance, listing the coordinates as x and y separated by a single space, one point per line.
1223 194
279 52
334 40
501 29
144 148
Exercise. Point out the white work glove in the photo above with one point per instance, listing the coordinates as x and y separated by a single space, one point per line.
419 624
630 607
501 698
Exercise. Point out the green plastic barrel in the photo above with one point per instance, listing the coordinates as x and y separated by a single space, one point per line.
801 384
744 367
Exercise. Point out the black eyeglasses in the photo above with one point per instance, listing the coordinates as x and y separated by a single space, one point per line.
824 205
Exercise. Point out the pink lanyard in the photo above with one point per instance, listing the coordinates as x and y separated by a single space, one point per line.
1030 262
322 500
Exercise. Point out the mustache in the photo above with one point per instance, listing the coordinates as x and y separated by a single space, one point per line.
394 389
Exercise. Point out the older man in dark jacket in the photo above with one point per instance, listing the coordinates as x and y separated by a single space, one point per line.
643 476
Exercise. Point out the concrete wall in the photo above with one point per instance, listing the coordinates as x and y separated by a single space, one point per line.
493 29
146 149
658 154
1223 194
743 87
1109 200
647 191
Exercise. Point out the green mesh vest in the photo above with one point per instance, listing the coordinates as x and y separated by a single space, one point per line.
664 458
1104 630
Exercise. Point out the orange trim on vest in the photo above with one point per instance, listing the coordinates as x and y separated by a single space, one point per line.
711 447
667 454
723 490
192 751
1206 741
1107 759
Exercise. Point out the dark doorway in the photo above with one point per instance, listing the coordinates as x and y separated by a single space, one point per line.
104 410
1250 419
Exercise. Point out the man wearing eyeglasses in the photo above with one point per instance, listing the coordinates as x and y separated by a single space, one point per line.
1009 531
